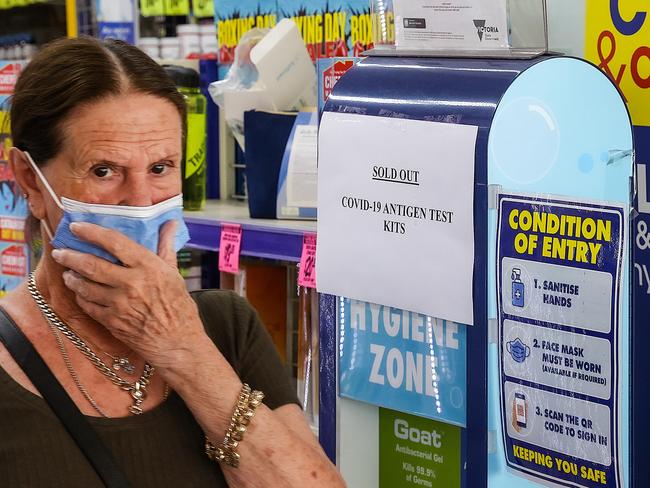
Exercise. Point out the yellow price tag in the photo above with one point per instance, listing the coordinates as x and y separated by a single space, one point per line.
151 8
617 40
203 8
177 7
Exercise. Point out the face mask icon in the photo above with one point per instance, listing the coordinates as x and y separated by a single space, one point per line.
518 350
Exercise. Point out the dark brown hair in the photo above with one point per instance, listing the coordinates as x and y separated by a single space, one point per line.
69 73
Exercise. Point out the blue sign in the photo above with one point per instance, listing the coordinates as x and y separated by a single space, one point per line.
559 267
402 360
124 31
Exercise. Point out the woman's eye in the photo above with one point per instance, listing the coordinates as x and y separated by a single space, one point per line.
159 169
102 171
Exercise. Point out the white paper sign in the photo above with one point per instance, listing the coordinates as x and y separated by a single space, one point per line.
437 24
301 175
395 213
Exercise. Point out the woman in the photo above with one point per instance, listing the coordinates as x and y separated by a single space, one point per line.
101 123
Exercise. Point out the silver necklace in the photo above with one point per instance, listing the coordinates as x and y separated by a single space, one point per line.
75 377
137 389
72 371
121 363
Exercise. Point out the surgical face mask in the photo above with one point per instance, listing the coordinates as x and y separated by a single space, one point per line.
140 224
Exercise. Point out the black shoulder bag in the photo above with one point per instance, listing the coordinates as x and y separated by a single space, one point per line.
61 404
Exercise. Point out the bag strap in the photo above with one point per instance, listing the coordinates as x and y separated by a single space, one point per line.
61 404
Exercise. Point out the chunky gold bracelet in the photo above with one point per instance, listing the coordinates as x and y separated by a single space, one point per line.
247 403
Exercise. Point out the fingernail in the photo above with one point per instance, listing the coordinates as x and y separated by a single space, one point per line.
66 276
75 226
57 254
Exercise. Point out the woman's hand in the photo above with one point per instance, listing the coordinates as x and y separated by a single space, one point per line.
143 303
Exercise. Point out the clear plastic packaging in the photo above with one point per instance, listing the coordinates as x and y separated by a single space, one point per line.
239 82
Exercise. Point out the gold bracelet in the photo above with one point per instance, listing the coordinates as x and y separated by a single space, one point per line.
247 403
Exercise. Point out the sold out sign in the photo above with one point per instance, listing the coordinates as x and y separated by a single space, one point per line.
618 41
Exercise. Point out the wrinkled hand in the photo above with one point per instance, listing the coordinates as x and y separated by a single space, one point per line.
144 302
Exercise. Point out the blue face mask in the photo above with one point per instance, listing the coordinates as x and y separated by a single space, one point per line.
140 224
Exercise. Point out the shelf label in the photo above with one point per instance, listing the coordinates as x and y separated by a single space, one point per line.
307 273
415 452
229 248
559 266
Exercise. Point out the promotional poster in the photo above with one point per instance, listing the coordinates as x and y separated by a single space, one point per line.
14 252
415 451
235 18
331 28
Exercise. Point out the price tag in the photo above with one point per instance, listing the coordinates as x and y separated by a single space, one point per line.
307 273
203 8
151 8
229 247
177 7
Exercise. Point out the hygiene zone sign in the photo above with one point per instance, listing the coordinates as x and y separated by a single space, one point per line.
402 360
559 265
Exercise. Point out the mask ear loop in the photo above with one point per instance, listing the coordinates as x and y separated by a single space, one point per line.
49 189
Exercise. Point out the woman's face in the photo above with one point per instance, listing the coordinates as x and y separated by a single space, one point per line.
123 150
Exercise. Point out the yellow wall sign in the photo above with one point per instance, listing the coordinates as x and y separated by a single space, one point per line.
150 8
177 7
618 41
203 8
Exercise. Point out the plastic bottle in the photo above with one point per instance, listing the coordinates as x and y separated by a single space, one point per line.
170 48
150 45
190 41
194 163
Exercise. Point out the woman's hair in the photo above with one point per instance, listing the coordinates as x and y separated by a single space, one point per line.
69 73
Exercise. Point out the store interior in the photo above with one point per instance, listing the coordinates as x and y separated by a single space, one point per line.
276 90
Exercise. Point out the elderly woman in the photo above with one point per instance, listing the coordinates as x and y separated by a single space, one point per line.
160 375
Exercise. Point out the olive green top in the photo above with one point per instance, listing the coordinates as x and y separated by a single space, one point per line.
163 447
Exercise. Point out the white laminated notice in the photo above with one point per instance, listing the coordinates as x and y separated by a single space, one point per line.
459 24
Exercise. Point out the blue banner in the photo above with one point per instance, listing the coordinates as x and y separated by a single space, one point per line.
559 268
402 360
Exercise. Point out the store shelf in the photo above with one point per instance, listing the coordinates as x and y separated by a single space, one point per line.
262 238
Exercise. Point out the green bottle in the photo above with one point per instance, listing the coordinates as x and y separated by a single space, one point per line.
194 161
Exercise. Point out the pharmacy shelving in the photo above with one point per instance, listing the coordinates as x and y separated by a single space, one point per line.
261 238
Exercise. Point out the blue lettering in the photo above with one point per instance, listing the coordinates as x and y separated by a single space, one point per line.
627 28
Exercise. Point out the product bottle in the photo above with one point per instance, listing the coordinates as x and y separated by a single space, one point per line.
194 163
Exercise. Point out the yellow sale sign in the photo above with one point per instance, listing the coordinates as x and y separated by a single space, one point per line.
618 41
